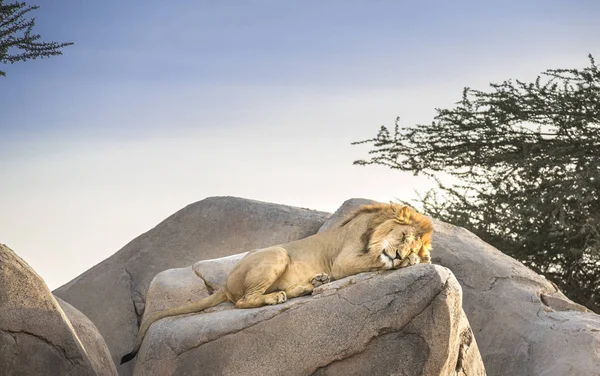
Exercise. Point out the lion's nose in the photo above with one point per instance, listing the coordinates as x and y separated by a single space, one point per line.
398 255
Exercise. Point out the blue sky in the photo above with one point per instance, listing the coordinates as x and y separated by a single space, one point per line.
160 104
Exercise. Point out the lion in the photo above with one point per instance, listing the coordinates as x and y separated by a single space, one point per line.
375 237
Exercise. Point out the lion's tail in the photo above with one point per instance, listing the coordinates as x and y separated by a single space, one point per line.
217 297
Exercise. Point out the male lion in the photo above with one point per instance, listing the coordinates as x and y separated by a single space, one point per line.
375 237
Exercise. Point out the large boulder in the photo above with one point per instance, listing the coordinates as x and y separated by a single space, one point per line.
404 322
112 293
36 337
523 324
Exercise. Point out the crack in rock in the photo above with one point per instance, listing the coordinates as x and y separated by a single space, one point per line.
137 298
209 286
57 348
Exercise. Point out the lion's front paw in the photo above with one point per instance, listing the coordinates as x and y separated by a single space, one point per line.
281 297
411 259
320 279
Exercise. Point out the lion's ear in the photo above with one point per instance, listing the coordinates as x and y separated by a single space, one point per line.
403 214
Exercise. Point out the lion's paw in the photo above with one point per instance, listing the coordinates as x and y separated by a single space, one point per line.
281 297
320 279
411 259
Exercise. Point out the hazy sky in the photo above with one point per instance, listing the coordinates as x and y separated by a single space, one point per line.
160 104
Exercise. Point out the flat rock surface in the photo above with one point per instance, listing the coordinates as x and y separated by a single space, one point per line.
523 324
112 294
404 322
36 337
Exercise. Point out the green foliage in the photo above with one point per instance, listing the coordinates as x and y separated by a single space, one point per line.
524 159
17 41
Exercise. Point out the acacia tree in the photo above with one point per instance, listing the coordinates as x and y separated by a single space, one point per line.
17 40
523 160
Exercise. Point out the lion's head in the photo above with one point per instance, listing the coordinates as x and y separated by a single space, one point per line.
396 234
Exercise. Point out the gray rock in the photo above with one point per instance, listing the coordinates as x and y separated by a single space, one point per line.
523 324
405 322
112 293
36 337
90 338
214 272
347 208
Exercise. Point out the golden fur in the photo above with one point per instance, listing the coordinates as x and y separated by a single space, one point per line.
375 237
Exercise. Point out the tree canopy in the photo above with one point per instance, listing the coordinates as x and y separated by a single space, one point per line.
521 162
17 41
